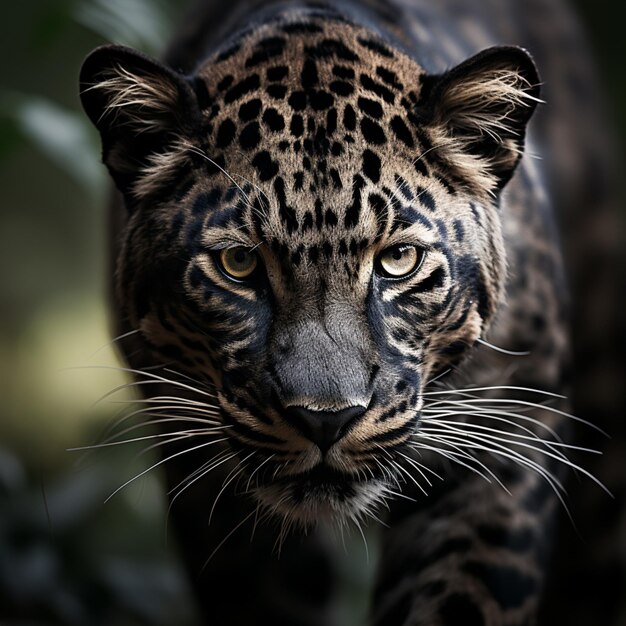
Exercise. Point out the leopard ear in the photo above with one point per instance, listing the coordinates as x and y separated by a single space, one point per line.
144 111
478 112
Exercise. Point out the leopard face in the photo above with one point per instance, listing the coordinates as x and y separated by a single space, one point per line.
313 231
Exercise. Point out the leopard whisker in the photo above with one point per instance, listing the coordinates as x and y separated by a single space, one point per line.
453 427
544 407
228 536
162 461
491 414
454 454
137 439
502 350
195 476
112 342
240 467
267 460
531 437
419 467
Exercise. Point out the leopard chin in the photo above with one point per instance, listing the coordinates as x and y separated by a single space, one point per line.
322 496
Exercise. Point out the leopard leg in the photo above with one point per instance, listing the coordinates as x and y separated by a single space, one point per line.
472 555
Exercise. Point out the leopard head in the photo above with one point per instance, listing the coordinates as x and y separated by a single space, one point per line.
314 230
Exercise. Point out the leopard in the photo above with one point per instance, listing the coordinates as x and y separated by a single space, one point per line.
339 280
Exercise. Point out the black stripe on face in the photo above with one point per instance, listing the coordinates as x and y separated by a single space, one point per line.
399 433
353 212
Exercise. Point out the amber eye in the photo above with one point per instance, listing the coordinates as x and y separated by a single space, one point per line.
238 263
399 261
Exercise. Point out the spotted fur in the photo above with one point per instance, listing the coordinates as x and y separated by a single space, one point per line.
318 138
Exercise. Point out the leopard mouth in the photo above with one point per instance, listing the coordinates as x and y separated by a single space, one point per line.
321 494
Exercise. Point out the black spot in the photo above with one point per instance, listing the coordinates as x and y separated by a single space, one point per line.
371 165
404 188
433 281
242 88
331 121
309 77
353 212
184 186
376 46
314 254
372 132
330 218
301 27
297 126
298 181
379 89
297 100
343 72
337 149
274 120
266 50
420 167
287 214
266 167
459 230
349 117
250 110
226 82
426 199
389 77
319 215
401 131
327 249
250 136
379 206
277 73
538 322
202 93
214 167
196 277
278 92
341 88
519 540
371 107
225 133
307 222
229 52
509 586
459 609
336 178
206 201
331 48
321 100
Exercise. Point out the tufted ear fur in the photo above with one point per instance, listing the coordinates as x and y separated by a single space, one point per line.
477 115
144 111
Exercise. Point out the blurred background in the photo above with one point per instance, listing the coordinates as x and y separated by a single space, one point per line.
65 557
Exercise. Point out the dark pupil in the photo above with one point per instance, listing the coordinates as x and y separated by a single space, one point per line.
397 254
240 256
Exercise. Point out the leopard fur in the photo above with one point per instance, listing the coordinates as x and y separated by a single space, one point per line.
318 137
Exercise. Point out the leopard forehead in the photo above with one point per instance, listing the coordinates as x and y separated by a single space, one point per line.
316 121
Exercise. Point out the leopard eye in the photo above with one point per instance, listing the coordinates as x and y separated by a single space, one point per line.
238 263
399 261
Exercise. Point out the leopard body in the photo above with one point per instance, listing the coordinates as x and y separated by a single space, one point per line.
319 136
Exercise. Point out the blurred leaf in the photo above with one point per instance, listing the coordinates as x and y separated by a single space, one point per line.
138 23
64 136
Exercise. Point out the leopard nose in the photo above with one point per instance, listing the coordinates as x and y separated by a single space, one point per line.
323 428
